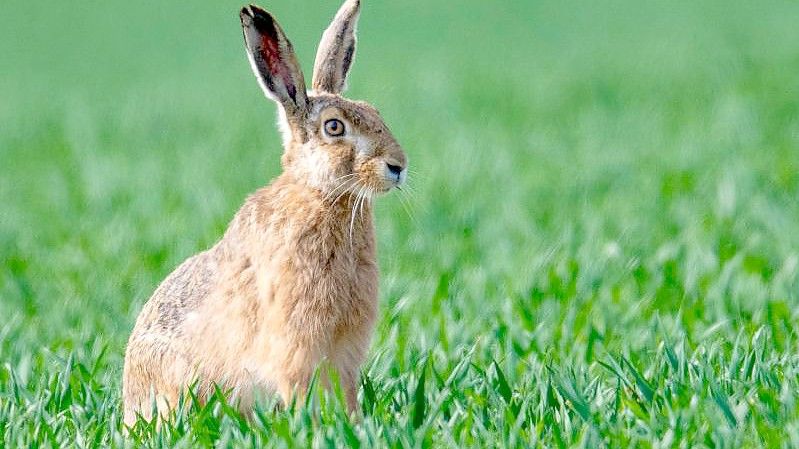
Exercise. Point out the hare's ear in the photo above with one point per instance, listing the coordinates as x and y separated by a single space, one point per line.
274 62
336 50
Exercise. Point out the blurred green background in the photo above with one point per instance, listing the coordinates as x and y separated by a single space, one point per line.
604 211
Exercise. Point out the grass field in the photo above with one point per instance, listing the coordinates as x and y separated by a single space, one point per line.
602 247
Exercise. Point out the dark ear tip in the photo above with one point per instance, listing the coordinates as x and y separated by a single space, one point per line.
246 14
252 14
254 11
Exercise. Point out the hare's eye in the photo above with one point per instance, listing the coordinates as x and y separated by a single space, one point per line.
334 127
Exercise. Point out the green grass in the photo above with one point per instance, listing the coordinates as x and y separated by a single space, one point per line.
602 247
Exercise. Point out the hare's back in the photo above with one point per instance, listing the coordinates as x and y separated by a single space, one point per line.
183 291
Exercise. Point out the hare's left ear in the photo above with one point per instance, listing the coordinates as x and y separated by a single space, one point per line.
336 50
274 62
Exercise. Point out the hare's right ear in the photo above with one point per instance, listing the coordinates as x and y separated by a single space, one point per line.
273 61
336 50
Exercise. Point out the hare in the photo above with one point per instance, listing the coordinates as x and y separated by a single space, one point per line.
294 280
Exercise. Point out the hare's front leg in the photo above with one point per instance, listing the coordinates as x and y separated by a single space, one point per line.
348 376
347 356
294 373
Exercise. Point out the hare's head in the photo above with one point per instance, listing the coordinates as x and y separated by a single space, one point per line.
331 143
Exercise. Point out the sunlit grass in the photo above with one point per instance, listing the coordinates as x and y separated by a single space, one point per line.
599 247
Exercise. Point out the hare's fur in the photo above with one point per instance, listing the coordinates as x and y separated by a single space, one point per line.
294 279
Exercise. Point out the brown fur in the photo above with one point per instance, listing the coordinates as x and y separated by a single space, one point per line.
336 51
294 279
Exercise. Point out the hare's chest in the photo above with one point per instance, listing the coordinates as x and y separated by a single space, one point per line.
325 290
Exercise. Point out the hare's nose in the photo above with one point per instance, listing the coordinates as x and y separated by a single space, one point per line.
394 169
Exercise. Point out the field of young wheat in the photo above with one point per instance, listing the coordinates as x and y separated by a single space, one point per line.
599 247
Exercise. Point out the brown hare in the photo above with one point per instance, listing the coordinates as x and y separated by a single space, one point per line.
294 280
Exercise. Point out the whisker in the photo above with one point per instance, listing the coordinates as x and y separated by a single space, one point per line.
364 199
367 198
352 213
409 188
344 183
359 205
405 189
347 185
343 192
349 175
352 217
406 204
343 178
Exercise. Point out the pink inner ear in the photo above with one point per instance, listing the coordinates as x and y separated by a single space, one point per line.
270 51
